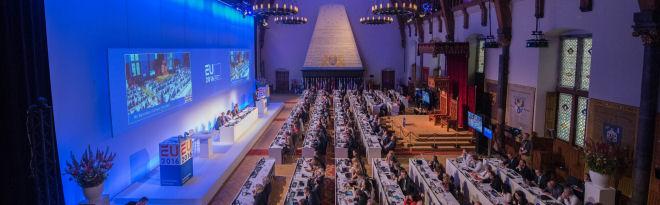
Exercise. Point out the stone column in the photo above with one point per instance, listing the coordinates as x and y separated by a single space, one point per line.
647 27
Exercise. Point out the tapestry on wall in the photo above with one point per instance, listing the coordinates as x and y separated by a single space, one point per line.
520 107
612 133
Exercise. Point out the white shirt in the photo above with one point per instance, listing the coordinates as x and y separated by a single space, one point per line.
478 167
571 200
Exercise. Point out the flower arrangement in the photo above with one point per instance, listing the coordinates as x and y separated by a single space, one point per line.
92 169
604 158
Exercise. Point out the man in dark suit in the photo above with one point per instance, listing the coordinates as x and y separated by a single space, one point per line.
553 189
311 198
541 178
511 161
391 144
260 196
525 171
406 183
361 197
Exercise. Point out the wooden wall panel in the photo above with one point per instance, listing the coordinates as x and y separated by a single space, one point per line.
569 159
624 116
654 189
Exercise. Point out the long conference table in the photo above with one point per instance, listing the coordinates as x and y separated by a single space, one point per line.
483 191
236 127
299 180
369 141
389 191
276 148
262 174
400 97
392 106
430 183
344 195
316 118
341 126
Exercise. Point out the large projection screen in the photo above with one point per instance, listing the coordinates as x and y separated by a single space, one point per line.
145 83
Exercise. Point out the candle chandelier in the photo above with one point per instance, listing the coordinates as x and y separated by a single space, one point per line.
275 9
292 20
376 20
394 8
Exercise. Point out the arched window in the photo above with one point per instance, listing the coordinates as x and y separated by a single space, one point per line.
573 88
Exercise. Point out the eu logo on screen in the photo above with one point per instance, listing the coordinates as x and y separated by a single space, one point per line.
212 72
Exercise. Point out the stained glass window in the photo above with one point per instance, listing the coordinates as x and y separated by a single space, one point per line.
481 62
586 64
565 116
568 62
574 75
581 121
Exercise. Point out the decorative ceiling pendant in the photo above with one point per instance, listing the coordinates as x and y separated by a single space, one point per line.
292 20
396 8
275 9
376 20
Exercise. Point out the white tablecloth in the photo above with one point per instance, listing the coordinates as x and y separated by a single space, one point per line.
473 189
299 181
237 127
392 106
276 147
511 177
430 183
344 195
369 141
390 192
262 174
317 117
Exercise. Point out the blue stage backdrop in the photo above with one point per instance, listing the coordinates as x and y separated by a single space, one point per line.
178 48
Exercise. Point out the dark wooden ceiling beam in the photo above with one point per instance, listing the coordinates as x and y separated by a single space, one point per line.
466 19
649 5
448 14
503 11
484 13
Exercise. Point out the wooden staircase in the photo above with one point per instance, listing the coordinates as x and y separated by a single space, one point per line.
437 142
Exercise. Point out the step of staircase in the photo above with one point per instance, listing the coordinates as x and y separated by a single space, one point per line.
438 148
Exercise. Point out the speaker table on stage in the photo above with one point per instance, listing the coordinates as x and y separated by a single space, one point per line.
176 163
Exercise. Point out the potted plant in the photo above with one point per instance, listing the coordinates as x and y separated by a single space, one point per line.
603 160
90 171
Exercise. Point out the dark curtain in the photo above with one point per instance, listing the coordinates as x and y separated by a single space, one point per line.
457 70
28 177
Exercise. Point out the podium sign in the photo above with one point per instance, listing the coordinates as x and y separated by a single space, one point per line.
176 164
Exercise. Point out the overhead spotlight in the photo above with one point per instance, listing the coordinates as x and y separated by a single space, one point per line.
537 40
489 42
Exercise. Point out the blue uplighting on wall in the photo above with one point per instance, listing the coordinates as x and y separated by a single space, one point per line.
80 34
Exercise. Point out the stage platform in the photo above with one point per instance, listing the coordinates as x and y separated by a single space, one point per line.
208 174
420 134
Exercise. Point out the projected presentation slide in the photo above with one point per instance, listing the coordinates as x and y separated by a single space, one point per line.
156 81
475 122
239 65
